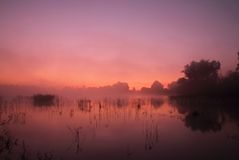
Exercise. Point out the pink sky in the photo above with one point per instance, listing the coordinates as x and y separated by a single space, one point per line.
95 43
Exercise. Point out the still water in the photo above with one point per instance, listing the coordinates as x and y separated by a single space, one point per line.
118 128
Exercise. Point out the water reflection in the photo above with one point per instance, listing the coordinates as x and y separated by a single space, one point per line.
7 141
45 156
41 100
84 105
114 128
151 132
206 114
77 138
157 102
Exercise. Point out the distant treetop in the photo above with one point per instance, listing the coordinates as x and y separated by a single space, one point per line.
157 86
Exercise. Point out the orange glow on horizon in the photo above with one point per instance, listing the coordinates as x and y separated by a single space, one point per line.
74 81
96 44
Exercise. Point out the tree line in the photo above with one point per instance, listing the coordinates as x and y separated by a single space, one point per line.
201 78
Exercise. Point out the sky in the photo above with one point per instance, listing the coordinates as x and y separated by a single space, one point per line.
100 42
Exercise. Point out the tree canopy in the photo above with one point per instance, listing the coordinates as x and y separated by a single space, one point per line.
237 69
202 70
157 86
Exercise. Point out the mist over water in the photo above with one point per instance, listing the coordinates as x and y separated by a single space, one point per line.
119 80
123 127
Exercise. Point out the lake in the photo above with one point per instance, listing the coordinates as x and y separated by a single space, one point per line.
119 128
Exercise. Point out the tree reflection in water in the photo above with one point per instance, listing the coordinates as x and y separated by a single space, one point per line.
127 127
206 114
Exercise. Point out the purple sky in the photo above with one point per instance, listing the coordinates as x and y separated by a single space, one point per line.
99 42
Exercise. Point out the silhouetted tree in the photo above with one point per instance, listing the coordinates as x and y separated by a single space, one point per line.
237 69
202 70
121 86
177 86
156 88
201 79
230 84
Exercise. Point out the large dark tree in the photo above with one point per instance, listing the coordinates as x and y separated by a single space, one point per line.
202 70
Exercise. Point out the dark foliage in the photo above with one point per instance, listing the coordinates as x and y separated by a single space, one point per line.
202 79
202 70
237 69
206 114
156 88
157 102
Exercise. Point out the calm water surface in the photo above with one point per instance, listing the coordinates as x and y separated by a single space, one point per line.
118 128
